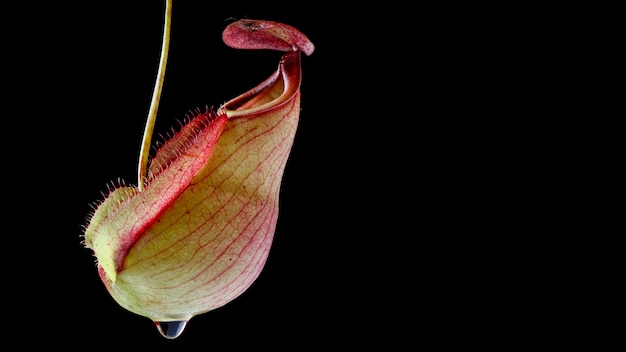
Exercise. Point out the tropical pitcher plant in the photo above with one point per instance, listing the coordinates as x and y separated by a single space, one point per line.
196 231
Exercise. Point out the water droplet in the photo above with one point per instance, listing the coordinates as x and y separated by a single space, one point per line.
171 329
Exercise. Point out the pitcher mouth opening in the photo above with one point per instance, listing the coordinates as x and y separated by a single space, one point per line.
272 93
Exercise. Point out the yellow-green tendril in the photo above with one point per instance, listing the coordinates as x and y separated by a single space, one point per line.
156 96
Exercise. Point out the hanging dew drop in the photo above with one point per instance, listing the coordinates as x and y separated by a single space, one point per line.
171 329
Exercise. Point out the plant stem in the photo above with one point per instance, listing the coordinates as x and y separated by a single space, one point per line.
156 96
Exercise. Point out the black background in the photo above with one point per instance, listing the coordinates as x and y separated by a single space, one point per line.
81 78
401 200
411 205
